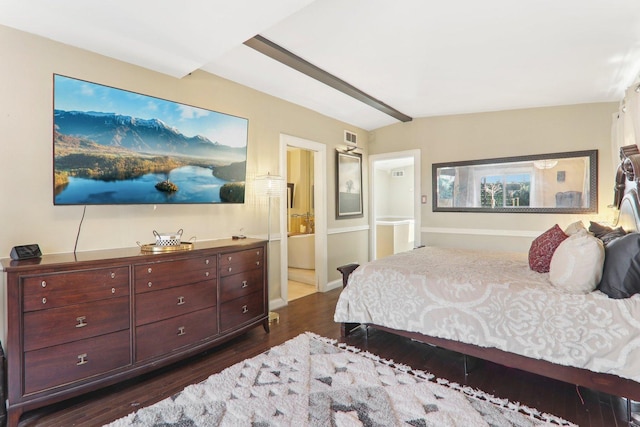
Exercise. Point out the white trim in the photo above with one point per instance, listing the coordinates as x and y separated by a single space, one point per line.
277 303
481 231
334 284
348 229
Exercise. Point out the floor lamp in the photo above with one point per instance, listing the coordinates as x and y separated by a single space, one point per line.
270 186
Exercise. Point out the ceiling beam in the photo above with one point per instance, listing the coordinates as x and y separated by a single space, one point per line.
280 54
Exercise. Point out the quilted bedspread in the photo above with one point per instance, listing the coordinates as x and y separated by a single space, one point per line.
494 300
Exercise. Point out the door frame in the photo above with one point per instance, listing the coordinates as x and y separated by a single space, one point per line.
417 195
320 211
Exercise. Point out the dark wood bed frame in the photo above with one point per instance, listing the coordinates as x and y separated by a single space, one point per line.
627 202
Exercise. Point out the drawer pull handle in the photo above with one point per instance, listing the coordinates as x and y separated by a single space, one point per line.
181 331
149 270
229 269
245 309
113 275
180 300
81 321
206 273
149 284
206 261
82 359
229 258
113 290
258 253
258 263
44 300
244 284
43 284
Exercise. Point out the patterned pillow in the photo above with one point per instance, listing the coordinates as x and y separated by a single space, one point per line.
543 247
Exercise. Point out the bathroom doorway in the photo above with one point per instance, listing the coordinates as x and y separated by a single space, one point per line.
301 269
304 250
395 202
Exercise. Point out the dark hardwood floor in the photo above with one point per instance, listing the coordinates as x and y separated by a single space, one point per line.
315 313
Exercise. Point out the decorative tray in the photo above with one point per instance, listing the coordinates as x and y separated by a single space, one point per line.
152 247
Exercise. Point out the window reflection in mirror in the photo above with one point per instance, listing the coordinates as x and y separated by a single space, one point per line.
546 183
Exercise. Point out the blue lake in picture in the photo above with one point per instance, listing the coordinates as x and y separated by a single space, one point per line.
195 185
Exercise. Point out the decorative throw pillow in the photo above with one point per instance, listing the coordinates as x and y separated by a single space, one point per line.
542 248
605 233
599 230
621 273
612 235
574 228
576 265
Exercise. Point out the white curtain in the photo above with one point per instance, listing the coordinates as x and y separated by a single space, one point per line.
625 128
586 194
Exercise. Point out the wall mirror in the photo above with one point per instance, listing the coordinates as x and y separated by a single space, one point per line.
545 183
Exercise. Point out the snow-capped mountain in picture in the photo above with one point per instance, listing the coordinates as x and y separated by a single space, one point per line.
112 146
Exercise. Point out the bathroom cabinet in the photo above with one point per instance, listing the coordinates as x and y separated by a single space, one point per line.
79 322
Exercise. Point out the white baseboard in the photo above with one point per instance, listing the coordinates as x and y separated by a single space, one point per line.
333 285
277 303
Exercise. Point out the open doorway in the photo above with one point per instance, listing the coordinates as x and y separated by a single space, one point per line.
301 258
304 248
395 197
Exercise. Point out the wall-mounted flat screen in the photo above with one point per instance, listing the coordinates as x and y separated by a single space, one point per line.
113 146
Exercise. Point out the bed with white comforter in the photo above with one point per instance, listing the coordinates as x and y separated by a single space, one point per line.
494 300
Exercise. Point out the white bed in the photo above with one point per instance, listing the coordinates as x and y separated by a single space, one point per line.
494 300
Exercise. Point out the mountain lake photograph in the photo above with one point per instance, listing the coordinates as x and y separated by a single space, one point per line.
112 146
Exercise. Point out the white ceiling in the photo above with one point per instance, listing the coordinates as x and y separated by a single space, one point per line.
421 57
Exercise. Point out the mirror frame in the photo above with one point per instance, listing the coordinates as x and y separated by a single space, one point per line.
593 184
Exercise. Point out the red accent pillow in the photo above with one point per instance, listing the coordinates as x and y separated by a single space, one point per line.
543 247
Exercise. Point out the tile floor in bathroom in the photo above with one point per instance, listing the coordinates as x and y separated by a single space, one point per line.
301 283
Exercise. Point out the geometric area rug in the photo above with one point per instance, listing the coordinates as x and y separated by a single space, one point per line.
314 381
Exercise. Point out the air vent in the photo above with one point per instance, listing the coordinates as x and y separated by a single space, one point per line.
350 138
397 173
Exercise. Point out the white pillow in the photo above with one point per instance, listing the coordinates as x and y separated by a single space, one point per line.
574 228
576 265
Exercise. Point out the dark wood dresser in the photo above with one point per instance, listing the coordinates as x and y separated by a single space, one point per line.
78 322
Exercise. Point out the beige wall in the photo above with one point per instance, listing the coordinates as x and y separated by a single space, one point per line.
27 213
501 134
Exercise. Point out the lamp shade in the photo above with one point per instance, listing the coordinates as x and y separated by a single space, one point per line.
269 185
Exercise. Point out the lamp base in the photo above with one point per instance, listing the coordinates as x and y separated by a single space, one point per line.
274 317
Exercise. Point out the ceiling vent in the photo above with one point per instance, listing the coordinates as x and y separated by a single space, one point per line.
397 173
350 138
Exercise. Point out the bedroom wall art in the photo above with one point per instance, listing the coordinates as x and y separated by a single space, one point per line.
113 146
348 185
545 183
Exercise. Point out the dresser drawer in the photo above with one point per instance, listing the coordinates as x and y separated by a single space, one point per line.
161 275
160 338
62 364
235 262
237 285
75 287
171 302
45 328
241 310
